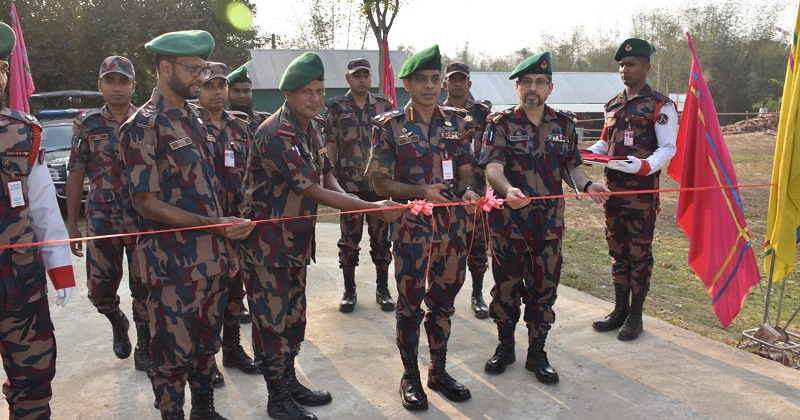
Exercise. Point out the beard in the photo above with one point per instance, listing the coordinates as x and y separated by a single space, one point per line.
247 109
181 89
533 101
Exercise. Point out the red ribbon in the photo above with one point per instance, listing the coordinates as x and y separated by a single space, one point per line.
420 206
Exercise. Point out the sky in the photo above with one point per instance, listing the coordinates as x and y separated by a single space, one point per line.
495 31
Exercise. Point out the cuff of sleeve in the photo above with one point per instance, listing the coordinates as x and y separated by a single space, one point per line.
62 277
645 170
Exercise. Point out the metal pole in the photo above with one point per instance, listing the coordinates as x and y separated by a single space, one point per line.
792 318
780 303
769 287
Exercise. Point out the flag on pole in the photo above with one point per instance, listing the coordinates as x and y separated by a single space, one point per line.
720 246
21 82
780 247
388 72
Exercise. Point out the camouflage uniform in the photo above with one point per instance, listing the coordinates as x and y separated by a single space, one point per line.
407 149
349 127
630 218
164 153
256 119
27 342
526 243
477 260
233 135
282 162
109 211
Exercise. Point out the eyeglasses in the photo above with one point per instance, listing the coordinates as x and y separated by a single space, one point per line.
540 83
194 71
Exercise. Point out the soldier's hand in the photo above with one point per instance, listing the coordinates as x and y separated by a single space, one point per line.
597 187
240 229
433 193
470 197
515 193
389 215
77 246
63 296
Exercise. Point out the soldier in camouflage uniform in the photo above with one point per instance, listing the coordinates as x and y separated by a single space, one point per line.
457 85
288 175
423 151
240 97
27 342
171 177
528 151
109 210
642 125
227 142
347 135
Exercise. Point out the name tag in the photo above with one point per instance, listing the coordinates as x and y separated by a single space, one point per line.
230 162
15 197
177 144
407 139
94 137
519 138
350 115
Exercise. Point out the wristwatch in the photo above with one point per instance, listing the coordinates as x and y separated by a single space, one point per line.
586 187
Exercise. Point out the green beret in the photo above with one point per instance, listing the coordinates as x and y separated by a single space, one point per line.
7 41
428 59
538 64
634 47
301 71
182 44
240 75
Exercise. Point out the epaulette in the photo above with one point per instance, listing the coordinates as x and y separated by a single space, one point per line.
20 116
145 117
461 112
385 117
569 114
484 103
265 114
499 115
84 115
241 115
384 97
660 97
331 101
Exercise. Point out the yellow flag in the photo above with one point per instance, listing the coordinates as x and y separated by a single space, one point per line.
784 195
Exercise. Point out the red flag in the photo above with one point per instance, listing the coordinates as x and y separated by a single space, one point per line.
388 73
21 82
720 246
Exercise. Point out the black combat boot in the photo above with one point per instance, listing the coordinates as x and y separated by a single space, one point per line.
382 295
504 355
633 325
478 304
246 318
141 354
440 380
120 326
233 355
349 298
219 380
203 405
280 404
537 361
300 393
411 392
617 317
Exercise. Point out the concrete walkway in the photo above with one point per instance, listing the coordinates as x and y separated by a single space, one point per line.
667 373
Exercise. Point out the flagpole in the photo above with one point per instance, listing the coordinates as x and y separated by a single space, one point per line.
769 287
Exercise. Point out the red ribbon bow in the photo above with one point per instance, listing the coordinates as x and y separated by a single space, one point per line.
490 202
420 206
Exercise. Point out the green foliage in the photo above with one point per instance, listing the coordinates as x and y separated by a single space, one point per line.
68 39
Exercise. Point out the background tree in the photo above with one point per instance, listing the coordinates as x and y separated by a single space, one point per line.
380 14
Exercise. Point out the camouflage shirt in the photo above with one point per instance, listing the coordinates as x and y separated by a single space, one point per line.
407 149
479 110
349 128
284 160
163 149
228 146
256 119
95 152
637 114
535 160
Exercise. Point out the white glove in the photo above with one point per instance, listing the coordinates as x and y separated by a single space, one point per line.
631 166
63 296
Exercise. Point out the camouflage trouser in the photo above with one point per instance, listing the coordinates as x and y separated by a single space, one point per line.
630 243
477 261
278 297
526 271
104 273
28 347
234 308
185 323
445 276
352 227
